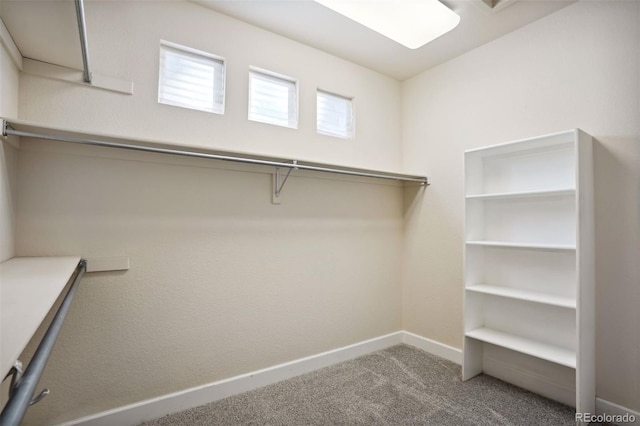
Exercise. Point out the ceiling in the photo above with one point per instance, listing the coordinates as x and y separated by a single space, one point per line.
313 24
32 24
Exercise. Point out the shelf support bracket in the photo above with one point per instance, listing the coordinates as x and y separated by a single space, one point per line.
279 181
84 45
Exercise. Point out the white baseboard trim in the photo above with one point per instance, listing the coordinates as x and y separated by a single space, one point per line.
154 408
605 407
436 348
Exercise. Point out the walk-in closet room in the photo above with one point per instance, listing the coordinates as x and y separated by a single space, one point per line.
319 212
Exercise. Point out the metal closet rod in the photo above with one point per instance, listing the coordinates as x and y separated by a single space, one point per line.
7 131
25 386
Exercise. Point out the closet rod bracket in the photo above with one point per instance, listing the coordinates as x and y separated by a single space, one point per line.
16 374
279 181
5 127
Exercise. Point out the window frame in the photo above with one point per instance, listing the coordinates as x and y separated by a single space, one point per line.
352 110
220 110
296 94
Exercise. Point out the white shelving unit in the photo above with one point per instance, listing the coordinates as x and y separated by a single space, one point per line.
529 255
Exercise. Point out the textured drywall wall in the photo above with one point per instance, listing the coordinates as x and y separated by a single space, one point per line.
222 282
8 176
579 67
124 42
8 155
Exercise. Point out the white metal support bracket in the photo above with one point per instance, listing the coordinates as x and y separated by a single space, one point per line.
278 183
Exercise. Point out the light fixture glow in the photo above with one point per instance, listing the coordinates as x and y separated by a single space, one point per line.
412 23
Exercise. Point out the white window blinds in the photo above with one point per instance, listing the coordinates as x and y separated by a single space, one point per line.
191 79
273 99
335 115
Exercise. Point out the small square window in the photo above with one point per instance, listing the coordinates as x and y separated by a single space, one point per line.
335 115
273 98
191 78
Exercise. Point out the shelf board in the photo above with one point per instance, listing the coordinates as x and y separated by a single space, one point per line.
555 354
30 286
522 194
551 141
502 244
526 295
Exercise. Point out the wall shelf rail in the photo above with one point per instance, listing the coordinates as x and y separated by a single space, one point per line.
30 131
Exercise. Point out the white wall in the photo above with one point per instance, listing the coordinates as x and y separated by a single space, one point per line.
8 176
579 67
124 43
8 154
222 282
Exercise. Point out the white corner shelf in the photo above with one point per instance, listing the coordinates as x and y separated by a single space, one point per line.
529 256
552 353
523 194
526 295
29 287
528 145
502 244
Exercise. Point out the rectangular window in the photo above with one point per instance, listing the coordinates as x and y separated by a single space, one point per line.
191 78
335 115
273 98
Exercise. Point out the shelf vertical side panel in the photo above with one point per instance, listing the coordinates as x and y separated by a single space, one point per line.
585 372
472 350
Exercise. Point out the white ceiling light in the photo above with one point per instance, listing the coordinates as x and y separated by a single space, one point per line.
412 23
